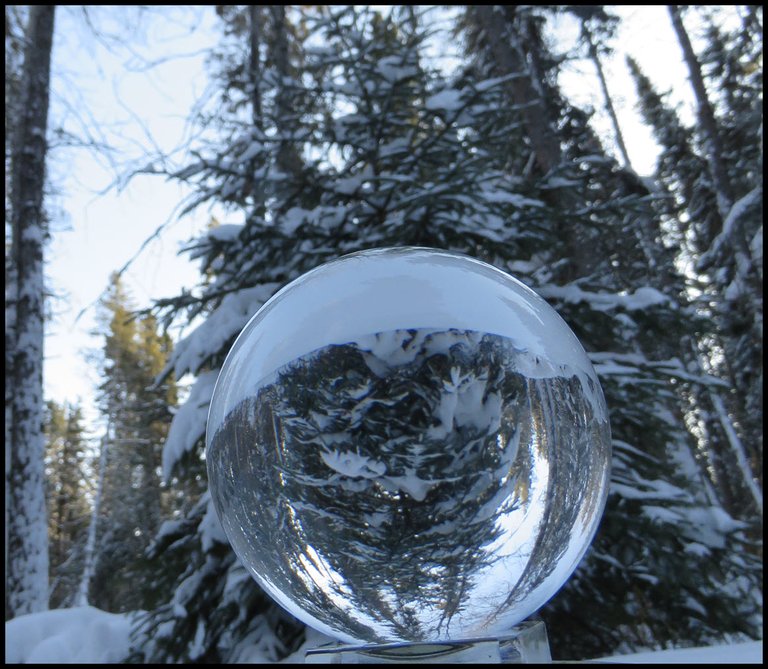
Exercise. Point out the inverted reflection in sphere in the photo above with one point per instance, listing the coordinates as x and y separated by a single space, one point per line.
408 445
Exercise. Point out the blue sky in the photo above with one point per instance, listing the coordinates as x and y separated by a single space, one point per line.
99 82
95 233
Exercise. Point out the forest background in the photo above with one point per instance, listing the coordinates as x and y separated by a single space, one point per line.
324 130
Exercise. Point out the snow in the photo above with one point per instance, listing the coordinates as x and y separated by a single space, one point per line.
731 223
642 298
488 84
224 323
67 636
756 246
351 464
188 425
393 69
86 635
740 653
411 484
649 490
595 158
253 150
505 197
293 218
560 182
226 232
348 185
210 528
446 100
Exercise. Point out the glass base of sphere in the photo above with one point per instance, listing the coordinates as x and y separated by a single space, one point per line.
527 643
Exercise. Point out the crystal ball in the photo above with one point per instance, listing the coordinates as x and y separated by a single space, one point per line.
407 444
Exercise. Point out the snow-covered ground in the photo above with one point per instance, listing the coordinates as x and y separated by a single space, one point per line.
80 635
87 635
739 653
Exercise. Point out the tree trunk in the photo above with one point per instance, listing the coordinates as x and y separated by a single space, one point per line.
608 101
288 160
27 568
255 65
89 561
505 48
706 117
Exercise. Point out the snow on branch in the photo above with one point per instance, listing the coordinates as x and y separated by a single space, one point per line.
731 226
188 424
223 324
642 298
612 363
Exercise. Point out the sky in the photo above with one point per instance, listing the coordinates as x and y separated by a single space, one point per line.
97 82
102 88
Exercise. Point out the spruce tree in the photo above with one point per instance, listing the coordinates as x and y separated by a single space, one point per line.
598 28
723 252
732 68
378 148
133 502
68 506
390 157
610 272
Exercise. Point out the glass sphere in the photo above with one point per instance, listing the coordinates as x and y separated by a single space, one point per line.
407 444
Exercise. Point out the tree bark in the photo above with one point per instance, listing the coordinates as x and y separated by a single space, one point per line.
510 59
255 65
288 160
27 562
706 116
89 562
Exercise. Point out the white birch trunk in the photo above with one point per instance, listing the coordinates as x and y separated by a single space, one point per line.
27 528
89 560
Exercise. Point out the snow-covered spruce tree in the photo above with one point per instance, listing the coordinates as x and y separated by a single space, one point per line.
386 151
732 63
613 279
740 99
691 208
27 530
723 247
68 508
217 612
389 156
736 174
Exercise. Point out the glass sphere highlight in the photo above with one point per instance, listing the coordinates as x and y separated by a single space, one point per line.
407 444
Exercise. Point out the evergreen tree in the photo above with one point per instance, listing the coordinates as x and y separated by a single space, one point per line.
710 133
690 209
134 501
377 148
733 69
390 157
610 243
68 507
725 252
598 27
